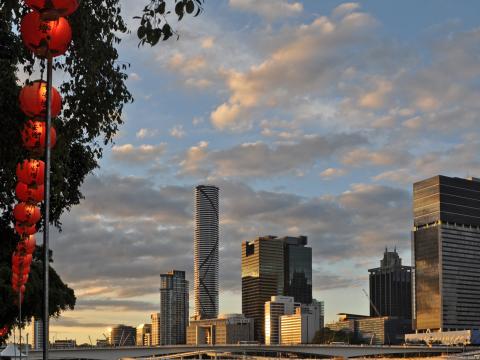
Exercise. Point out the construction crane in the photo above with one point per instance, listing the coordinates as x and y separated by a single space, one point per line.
371 303
376 312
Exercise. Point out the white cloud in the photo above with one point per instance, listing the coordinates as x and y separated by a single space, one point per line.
311 59
138 154
208 42
177 131
144 133
134 77
331 173
268 9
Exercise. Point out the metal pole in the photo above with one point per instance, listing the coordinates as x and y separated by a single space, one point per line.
46 232
20 321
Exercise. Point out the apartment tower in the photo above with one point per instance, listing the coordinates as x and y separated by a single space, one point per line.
206 237
446 253
173 308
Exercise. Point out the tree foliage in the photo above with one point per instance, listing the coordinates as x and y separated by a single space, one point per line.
94 94
154 23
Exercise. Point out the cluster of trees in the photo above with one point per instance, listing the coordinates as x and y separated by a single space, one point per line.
328 336
94 95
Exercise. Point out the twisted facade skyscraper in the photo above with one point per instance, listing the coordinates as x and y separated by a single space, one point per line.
206 252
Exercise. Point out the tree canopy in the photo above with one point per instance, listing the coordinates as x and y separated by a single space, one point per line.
94 95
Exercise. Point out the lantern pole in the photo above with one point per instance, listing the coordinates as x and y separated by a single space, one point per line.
46 229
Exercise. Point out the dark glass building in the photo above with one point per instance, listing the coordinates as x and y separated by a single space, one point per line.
173 308
446 254
274 266
391 287
298 269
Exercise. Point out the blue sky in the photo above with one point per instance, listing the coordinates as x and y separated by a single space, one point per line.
312 117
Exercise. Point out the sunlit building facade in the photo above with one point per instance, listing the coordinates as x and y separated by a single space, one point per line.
446 253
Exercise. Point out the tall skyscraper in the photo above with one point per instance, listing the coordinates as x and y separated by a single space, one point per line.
391 287
446 253
173 308
156 332
262 278
206 239
298 269
35 334
273 266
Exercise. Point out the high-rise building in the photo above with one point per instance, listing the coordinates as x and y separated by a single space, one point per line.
274 309
173 308
446 253
206 237
262 278
298 268
391 287
155 318
35 334
144 335
273 266
122 335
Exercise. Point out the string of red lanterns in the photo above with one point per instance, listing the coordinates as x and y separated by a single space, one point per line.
47 33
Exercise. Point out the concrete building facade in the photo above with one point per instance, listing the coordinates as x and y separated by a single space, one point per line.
274 309
226 329
122 335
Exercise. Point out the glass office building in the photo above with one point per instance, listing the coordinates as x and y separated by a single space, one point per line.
446 253
298 269
273 266
391 287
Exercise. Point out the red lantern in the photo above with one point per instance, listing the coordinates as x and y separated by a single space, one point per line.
18 288
34 135
33 100
27 245
22 279
29 193
19 261
27 213
54 8
24 229
45 38
31 172
3 331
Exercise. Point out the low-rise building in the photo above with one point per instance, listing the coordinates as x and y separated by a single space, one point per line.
458 337
301 327
64 344
226 329
384 330
276 307
144 335
122 335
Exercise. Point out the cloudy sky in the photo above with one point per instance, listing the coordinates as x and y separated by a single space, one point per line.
312 117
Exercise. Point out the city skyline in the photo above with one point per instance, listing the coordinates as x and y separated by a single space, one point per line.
368 111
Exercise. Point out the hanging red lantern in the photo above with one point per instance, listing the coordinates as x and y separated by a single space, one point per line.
19 279
18 288
27 213
24 229
3 331
31 171
45 38
52 9
27 245
21 270
29 193
19 260
33 100
34 135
